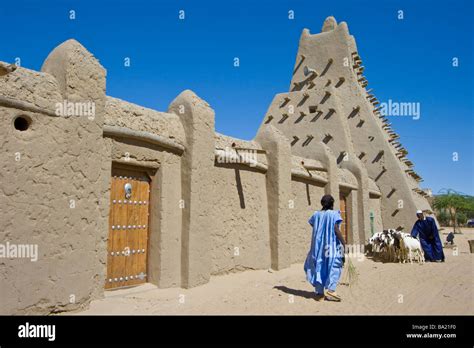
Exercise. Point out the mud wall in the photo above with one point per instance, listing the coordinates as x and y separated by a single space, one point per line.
54 185
238 222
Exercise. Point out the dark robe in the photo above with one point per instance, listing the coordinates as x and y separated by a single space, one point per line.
428 233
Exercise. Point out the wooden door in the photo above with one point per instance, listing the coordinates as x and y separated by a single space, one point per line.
128 229
344 227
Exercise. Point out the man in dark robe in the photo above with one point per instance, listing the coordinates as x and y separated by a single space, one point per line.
425 228
450 238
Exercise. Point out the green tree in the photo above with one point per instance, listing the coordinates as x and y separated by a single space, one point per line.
452 203
461 218
470 207
443 218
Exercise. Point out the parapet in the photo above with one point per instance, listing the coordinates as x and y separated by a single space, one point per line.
124 114
28 86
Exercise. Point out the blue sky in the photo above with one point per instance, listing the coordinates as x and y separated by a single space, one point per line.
407 60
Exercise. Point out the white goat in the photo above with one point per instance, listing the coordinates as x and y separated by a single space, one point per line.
389 244
375 243
410 248
394 245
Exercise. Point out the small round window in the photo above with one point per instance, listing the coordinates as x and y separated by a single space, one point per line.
22 123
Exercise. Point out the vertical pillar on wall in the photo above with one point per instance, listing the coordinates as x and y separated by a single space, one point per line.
278 182
363 200
332 187
80 76
82 79
324 155
197 164
354 215
164 257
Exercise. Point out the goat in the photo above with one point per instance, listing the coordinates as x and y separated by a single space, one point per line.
389 244
410 248
375 244
393 245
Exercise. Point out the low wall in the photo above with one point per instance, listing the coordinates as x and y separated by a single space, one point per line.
238 223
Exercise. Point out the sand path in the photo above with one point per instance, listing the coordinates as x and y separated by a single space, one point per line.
382 288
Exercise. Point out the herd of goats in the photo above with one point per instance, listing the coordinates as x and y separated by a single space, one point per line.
395 246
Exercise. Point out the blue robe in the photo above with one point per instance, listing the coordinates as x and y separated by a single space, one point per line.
429 239
323 265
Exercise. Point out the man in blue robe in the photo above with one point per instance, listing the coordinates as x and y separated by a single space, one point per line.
425 228
323 265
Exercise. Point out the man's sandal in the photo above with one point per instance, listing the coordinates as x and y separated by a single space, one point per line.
319 297
332 296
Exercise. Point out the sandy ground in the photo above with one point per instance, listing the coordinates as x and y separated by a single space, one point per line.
382 288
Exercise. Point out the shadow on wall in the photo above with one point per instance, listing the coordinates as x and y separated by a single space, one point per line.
308 191
240 190
238 179
308 195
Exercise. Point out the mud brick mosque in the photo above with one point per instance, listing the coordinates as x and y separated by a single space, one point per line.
127 195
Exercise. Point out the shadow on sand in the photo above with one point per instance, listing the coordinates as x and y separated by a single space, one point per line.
301 293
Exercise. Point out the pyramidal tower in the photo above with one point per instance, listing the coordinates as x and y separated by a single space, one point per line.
329 115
